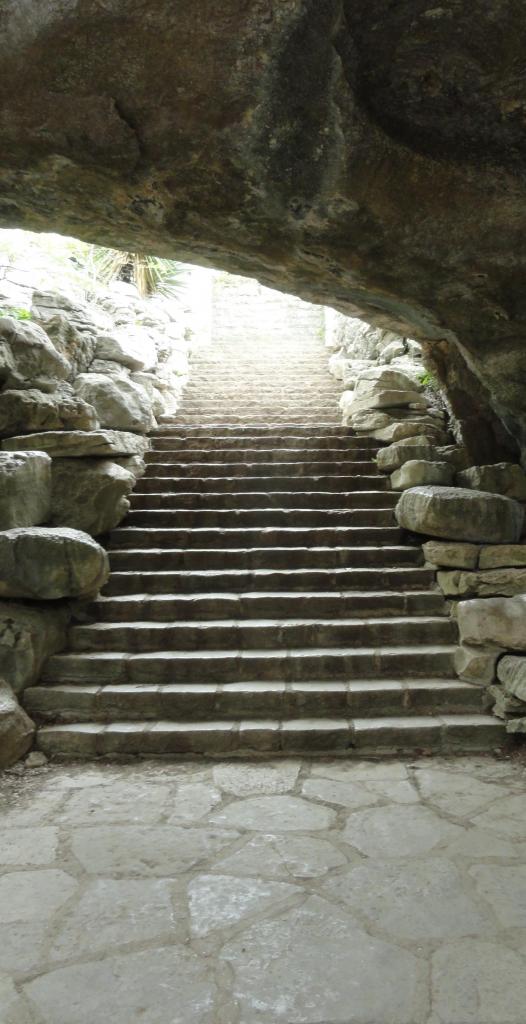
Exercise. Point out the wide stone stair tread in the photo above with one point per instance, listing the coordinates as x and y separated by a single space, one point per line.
262 599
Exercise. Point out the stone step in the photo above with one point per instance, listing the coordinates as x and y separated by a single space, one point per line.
307 415
261 634
230 666
144 559
249 456
276 483
281 468
403 735
262 518
291 442
282 604
258 580
295 500
217 538
170 427
273 699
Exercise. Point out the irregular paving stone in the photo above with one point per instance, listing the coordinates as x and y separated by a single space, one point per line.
68 444
25 489
455 794
28 635
502 478
24 946
27 847
33 895
147 850
242 779
419 471
275 813
506 817
423 900
50 563
498 556
278 965
153 987
13 1008
192 801
89 494
460 514
361 771
477 982
124 803
491 583
16 728
478 844
455 556
348 794
504 888
218 901
497 621
512 674
397 831
287 856
113 913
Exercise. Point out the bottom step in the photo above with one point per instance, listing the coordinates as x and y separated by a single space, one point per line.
310 736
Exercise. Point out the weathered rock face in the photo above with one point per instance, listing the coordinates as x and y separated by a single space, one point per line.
417 471
28 635
25 488
47 564
69 444
124 406
89 494
460 514
16 728
368 154
33 410
496 622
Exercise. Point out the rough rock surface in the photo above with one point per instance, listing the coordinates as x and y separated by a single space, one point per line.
27 356
488 583
16 728
476 665
31 411
69 444
28 635
25 488
457 513
365 154
50 563
455 556
502 555
122 406
497 621
512 674
417 448
502 478
134 349
89 494
418 471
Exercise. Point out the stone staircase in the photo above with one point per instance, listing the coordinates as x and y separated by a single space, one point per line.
262 599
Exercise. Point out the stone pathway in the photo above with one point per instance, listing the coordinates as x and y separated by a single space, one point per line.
283 892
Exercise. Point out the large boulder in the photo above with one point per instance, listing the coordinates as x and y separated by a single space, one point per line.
89 494
71 325
16 728
419 471
27 356
49 563
69 444
134 348
502 478
384 378
457 513
489 583
28 635
495 621
121 404
25 488
30 411
417 448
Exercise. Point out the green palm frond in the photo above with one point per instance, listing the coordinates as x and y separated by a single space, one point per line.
150 274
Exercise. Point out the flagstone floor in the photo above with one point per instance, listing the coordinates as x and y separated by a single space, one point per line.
283 892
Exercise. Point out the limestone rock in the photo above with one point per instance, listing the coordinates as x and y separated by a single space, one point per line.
70 325
497 622
133 464
502 556
489 583
456 556
28 635
385 378
397 430
109 368
511 672
516 726
16 728
32 411
502 478
68 444
48 563
27 356
25 488
392 350
419 471
120 404
457 513
89 494
475 665
504 705
405 450
149 382
133 348
455 454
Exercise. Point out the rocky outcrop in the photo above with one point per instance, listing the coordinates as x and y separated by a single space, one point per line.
456 513
89 494
50 563
25 488
16 728
67 444
29 634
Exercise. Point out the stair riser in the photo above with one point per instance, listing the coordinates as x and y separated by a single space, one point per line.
193 583
310 500
276 483
290 443
264 519
263 469
246 606
272 537
262 558
240 702
264 431
247 665
248 456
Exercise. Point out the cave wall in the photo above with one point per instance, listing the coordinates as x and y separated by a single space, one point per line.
364 154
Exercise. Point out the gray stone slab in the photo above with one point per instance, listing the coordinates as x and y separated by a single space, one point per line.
219 901
275 813
476 982
33 895
159 851
245 779
397 831
284 857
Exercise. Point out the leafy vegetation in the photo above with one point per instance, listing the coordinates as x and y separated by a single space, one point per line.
150 274
18 314
429 381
